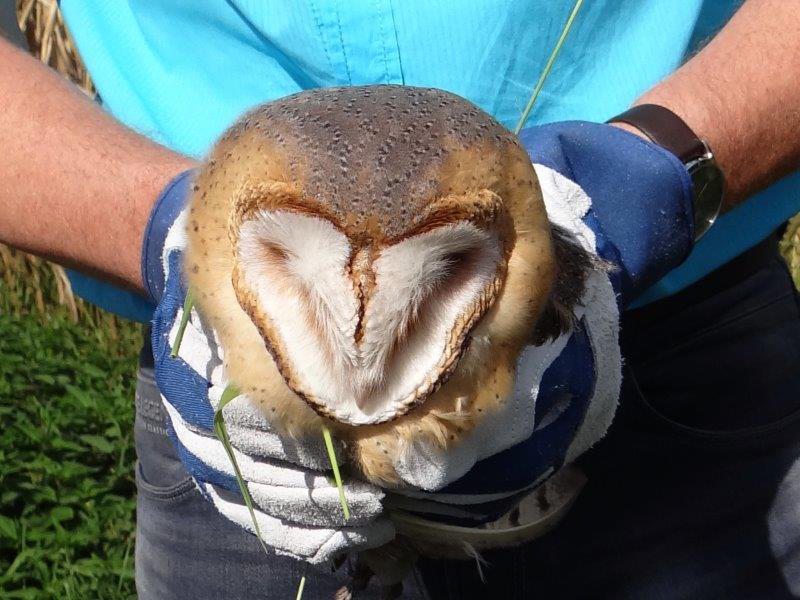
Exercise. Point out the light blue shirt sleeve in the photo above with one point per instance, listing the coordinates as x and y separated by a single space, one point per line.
180 72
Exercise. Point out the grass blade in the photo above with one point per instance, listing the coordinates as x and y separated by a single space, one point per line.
188 303
548 66
326 434
229 394
300 588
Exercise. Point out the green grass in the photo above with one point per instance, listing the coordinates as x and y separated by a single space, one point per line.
66 456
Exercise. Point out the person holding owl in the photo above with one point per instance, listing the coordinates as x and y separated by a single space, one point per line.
692 490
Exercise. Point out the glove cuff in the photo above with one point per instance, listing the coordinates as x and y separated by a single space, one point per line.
642 197
166 209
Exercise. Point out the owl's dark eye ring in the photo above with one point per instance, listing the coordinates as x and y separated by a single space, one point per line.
455 260
275 253
459 262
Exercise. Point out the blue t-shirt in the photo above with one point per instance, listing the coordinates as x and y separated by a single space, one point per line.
181 71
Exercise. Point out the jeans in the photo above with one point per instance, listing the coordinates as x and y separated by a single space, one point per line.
694 492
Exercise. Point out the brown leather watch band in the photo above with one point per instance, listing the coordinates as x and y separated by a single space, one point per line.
664 128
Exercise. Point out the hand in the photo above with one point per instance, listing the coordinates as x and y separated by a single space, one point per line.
297 505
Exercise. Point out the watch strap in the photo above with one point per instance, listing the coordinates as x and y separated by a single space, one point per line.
665 128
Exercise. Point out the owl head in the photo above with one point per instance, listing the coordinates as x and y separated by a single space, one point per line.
376 257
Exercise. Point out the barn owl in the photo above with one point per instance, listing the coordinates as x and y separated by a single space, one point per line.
373 259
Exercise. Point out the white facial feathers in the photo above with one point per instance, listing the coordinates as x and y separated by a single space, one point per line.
363 351
425 283
296 264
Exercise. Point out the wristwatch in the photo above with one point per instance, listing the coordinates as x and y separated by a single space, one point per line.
666 129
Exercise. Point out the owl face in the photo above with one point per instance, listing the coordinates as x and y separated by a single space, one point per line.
366 327
370 251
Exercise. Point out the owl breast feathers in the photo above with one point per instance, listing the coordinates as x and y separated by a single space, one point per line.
375 258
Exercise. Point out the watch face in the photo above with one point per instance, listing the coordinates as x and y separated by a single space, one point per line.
709 185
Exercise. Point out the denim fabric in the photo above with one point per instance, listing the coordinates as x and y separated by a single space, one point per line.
691 495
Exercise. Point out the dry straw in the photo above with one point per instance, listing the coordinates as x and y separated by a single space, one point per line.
790 248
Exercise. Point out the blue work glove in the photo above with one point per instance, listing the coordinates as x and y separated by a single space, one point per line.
631 202
641 197
297 505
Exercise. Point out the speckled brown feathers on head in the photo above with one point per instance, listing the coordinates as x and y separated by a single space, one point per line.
370 155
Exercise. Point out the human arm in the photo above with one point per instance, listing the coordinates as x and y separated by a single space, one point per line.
76 186
741 93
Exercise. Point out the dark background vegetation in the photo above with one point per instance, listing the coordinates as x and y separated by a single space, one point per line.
66 457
